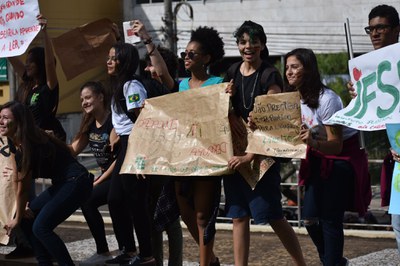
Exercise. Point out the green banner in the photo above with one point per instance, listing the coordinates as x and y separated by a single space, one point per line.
3 69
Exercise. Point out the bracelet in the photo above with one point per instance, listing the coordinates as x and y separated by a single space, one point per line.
147 41
152 51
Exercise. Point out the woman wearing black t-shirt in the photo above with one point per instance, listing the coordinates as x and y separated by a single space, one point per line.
38 154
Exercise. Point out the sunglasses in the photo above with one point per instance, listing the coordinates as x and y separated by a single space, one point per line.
379 28
191 55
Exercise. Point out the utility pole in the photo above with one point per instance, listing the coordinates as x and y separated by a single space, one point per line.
168 20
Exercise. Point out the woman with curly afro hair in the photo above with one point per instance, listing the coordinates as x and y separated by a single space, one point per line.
198 197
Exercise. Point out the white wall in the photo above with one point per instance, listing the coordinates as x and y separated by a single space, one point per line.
289 24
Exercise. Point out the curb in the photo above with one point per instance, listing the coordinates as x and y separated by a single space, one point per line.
268 229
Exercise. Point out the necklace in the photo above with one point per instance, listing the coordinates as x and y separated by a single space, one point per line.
247 107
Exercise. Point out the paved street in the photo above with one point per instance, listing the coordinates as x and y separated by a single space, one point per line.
266 248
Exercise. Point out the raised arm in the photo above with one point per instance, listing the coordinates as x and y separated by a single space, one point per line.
160 67
50 62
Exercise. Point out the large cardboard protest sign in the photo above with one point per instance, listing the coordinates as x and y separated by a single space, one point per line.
18 26
376 78
7 190
182 134
278 121
85 47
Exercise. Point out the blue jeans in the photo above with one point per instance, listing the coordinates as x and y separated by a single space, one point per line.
52 207
325 202
396 229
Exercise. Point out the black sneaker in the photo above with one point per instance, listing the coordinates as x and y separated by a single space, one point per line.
124 258
137 261
20 252
215 263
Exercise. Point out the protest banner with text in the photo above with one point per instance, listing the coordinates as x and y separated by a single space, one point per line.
278 121
18 26
182 134
376 78
7 189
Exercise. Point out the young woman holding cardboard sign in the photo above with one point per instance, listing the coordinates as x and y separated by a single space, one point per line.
335 165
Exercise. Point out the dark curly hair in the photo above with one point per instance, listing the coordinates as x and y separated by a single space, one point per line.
210 41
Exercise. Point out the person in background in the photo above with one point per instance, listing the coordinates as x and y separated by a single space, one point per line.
264 202
161 65
383 30
129 194
198 197
39 90
38 154
97 131
334 164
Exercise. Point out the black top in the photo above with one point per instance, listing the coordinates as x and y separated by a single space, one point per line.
99 140
254 85
51 161
43 104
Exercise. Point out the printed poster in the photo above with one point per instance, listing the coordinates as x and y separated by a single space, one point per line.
182 134
375 76
18 26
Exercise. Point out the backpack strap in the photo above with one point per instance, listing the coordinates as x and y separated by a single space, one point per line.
267 72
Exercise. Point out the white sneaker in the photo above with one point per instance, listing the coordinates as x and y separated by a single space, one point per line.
96 259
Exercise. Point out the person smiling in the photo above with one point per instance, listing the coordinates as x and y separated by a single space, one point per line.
38 154
263 203
198 197
335 171
97 130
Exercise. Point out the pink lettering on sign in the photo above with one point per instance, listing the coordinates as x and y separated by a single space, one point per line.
23 31
10 4
13 45
8 33
151 123
15 16
213 149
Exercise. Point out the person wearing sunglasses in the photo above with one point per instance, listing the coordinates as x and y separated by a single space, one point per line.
383 29
198 197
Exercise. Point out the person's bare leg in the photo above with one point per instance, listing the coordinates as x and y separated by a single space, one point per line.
203 201
188 215
241 240
289 240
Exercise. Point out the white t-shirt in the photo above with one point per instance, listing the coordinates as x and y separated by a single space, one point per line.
134 94
329 103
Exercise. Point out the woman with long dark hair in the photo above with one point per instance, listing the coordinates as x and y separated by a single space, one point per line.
39 88
39 155
334 166
97 131
129 194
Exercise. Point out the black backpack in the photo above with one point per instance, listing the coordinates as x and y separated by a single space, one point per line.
153 88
